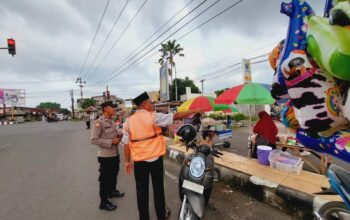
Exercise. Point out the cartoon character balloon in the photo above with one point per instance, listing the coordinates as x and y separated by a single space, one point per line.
299 13
316 96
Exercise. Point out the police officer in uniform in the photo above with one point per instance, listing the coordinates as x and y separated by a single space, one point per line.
105 136
145 146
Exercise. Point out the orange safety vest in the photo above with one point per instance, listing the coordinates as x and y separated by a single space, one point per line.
146 140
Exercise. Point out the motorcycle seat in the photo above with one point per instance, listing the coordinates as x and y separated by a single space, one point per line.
343 175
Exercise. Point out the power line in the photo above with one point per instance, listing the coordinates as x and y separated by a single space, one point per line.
118 39
231 66
93 40
212 18
108 35
160 28
125 69
224 60
164 32
261 61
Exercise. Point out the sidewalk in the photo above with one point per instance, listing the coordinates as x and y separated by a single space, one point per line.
287 192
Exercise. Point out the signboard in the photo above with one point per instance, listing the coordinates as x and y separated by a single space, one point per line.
247 74
14 97
164 82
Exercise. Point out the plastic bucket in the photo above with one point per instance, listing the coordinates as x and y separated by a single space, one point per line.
263 154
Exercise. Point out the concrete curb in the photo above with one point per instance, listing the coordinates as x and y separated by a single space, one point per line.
298 204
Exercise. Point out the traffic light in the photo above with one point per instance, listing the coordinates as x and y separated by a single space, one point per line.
11 45
108 96
104 95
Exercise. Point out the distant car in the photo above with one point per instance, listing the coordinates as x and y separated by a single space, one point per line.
60 117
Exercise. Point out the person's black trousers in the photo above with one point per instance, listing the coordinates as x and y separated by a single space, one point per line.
87 124
115 173
109 168
142 172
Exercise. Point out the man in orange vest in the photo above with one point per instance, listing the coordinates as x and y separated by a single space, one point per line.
145 146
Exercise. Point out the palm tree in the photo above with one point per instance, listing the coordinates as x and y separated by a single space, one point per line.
169 50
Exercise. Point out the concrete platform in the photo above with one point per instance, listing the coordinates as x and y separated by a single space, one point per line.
293 194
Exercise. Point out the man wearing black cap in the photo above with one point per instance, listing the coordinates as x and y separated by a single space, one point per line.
106 137
145 146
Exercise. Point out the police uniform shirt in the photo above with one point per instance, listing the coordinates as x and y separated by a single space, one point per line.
102 135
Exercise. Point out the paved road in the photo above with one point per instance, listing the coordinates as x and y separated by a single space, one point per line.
49 171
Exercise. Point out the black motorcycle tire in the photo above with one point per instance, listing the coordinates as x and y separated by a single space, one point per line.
193 216
328 210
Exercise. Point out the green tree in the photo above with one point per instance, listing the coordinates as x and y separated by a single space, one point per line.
87 103
219 92
49 105
65 111
181 87
169 50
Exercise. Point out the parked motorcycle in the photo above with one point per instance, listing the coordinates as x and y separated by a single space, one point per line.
339 180
52 119
196 175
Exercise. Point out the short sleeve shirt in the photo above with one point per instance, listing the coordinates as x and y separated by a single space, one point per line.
162 120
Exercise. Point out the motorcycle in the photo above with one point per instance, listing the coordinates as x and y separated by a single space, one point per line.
197 174
52 119
339 180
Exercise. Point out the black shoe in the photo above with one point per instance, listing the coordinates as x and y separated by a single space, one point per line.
116 193
108 206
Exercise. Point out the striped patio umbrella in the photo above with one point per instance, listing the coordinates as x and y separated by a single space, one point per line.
206 103
250 93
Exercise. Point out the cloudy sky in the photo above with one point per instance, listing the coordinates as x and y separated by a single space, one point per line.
53 38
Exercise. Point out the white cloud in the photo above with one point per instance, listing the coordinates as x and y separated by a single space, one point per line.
53 38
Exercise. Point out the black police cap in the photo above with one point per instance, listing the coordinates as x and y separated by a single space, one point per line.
141 98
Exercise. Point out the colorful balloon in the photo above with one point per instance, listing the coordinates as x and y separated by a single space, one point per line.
329 44
337 144
314 94
288 117
299 13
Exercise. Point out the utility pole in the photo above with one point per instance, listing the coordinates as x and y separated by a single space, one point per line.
72 98
4 107
81 84
175 86
202 81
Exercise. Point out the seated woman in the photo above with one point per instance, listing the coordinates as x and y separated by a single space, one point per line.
265 133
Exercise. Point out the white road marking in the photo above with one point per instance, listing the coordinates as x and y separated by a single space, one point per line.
171 176
5 145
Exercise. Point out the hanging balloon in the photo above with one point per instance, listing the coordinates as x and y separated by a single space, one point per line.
288 117
315 97
299 13
329 41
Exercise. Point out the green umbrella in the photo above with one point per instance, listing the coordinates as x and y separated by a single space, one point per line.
250 93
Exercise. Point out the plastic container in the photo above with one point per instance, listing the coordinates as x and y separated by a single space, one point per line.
285 162
263 154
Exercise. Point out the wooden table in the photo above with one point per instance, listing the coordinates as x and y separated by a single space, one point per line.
325 159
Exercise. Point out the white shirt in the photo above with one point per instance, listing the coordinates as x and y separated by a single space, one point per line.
162 120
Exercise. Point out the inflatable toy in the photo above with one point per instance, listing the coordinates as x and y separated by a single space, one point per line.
288 117
299 13
328 44
314 94
314 69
